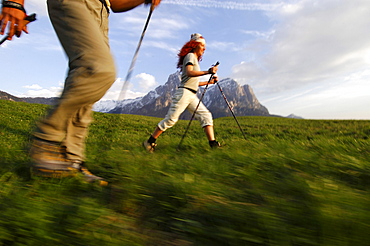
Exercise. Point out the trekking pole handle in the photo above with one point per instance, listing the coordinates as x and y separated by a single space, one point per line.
217 63
26 21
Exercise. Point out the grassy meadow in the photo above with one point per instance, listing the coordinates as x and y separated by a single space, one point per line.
292 182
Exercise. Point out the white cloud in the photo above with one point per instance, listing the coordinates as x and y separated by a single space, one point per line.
117 92
36 90
259 34
332 99
34 86
165 27
36 6
223 46
162 26
288 8
237 5
164 32
161 45
312 41
145 81
139 86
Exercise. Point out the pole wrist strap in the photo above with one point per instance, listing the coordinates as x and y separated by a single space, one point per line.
148 2
14 5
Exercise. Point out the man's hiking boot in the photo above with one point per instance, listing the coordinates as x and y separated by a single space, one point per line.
150 147
214 144
48 159
88 176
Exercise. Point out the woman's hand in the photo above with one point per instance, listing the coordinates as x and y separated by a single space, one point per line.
213 70
214 80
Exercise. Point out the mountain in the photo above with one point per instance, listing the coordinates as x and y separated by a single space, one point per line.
6 96
40 100
241 99
293 116
156 103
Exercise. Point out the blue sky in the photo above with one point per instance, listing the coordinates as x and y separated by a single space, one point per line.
307 57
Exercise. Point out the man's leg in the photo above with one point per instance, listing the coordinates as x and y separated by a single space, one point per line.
91 66
82 30
77 131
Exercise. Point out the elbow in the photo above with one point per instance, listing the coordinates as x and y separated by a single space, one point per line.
118 6
190 74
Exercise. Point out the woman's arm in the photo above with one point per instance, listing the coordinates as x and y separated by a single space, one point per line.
189 69
213 81
126 5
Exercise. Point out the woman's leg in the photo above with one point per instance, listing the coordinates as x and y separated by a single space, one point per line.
180 102
209 133
205 118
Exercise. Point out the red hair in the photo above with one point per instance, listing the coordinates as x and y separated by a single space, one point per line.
186 49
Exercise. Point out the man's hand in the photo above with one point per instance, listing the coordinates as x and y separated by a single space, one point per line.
155 3
13 20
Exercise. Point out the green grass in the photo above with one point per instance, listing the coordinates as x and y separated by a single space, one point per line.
293 182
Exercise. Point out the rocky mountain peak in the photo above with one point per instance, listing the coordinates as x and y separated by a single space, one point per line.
156 102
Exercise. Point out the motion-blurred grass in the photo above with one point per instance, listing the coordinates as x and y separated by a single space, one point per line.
293 182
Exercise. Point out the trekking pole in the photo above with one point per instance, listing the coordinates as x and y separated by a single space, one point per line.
131 69
200 100
228 104
28 19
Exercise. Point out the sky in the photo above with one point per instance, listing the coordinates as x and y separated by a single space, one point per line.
310 58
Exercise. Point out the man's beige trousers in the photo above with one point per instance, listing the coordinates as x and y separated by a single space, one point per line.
82 28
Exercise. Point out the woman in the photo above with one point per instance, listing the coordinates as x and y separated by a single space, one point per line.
185 97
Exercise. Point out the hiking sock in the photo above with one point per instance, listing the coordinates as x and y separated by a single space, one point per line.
214 143
151 139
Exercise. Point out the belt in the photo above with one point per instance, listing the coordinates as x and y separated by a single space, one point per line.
194 91
106 4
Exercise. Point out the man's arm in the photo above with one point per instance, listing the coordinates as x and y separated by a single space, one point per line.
12 16
126 5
